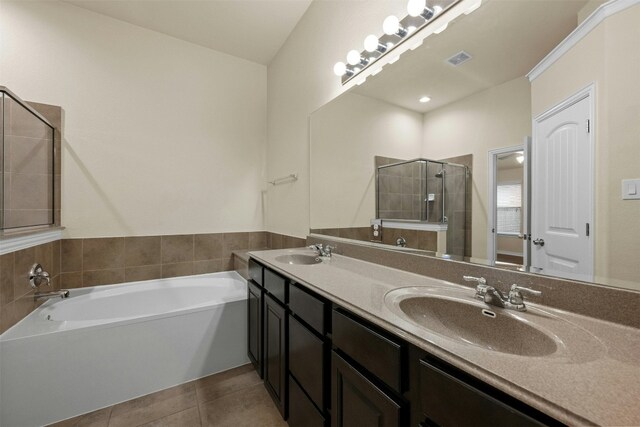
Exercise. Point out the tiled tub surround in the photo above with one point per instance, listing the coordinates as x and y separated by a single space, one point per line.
74 263
596 380
16 295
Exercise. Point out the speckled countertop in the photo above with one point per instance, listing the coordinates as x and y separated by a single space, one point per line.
592 378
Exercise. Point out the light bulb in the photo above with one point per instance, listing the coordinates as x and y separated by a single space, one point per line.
371 43
391 25
415 7
353 57
340 69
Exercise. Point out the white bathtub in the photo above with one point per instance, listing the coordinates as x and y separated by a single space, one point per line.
108 344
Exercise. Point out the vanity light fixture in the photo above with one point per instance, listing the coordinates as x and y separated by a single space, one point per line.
391 27
372 44
425 99
398 30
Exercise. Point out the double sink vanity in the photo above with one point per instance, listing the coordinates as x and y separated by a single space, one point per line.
344 342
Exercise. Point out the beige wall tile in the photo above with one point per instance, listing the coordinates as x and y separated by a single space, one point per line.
71 280
102 277
142 251
54 269
258 240
6 278
7 317
178 269
145 272
235 241
24 260
208 266
208 246
275 241
70 255
177 248
103 253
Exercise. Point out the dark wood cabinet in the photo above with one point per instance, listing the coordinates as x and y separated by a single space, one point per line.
302 413
275 352
254 314
357 401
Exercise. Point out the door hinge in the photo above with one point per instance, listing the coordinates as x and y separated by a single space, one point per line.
588 126
587 229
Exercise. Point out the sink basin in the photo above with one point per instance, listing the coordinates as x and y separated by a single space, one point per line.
298 259
474 323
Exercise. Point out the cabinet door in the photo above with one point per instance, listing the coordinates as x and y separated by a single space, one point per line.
446 401
275 352
307 360
357 402
254 312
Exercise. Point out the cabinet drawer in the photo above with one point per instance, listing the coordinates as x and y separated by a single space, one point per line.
307 307
275 284
378 354
255 271
447 401
306 360
302 413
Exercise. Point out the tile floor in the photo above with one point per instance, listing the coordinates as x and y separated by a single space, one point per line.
232 398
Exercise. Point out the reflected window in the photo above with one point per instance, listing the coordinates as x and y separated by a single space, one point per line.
509 208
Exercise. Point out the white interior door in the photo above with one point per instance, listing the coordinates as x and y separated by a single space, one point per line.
562 190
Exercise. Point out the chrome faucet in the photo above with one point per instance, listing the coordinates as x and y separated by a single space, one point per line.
37 276
321 250
492 296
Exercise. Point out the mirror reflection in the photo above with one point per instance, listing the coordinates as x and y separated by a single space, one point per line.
483 159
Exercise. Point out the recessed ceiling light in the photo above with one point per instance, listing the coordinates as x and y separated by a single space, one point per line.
425 99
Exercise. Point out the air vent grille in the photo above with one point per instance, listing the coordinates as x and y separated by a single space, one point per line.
459 58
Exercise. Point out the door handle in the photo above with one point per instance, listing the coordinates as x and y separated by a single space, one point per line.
538 242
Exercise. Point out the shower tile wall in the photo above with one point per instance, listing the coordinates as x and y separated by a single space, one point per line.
416 239
74 263
399 189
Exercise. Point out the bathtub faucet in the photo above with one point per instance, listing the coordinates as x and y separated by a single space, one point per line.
63 293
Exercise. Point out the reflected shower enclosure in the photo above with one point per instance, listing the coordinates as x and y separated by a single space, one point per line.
26 165
424 191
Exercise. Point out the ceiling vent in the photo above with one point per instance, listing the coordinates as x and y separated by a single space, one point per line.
459 58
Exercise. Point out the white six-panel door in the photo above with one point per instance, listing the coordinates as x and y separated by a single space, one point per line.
562 190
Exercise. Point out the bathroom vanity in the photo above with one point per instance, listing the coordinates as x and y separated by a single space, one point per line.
333 349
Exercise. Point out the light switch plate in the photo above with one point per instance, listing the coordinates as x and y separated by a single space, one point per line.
631 189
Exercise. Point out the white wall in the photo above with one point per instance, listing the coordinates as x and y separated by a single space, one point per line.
346 135
300 80
494 118
161 136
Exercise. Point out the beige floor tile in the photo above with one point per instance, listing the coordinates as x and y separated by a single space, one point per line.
99 418
217 386
187 418
153 406
248 407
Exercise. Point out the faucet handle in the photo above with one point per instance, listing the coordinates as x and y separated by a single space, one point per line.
479 280
515 294
37 275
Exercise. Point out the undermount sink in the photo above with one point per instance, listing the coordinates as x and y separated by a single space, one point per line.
297 259
473 323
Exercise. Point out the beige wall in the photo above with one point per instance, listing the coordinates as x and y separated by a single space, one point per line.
345 136
495 118
301 80
609 57
161 136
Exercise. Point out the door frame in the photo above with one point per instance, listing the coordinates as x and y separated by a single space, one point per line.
493 213
588 92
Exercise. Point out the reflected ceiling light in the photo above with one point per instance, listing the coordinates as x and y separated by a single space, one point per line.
520 158
391 26
473 7
425 99
420 8
372 44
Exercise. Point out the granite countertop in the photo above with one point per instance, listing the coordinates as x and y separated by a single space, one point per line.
593 377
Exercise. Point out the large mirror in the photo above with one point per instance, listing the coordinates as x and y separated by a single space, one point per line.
516 162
